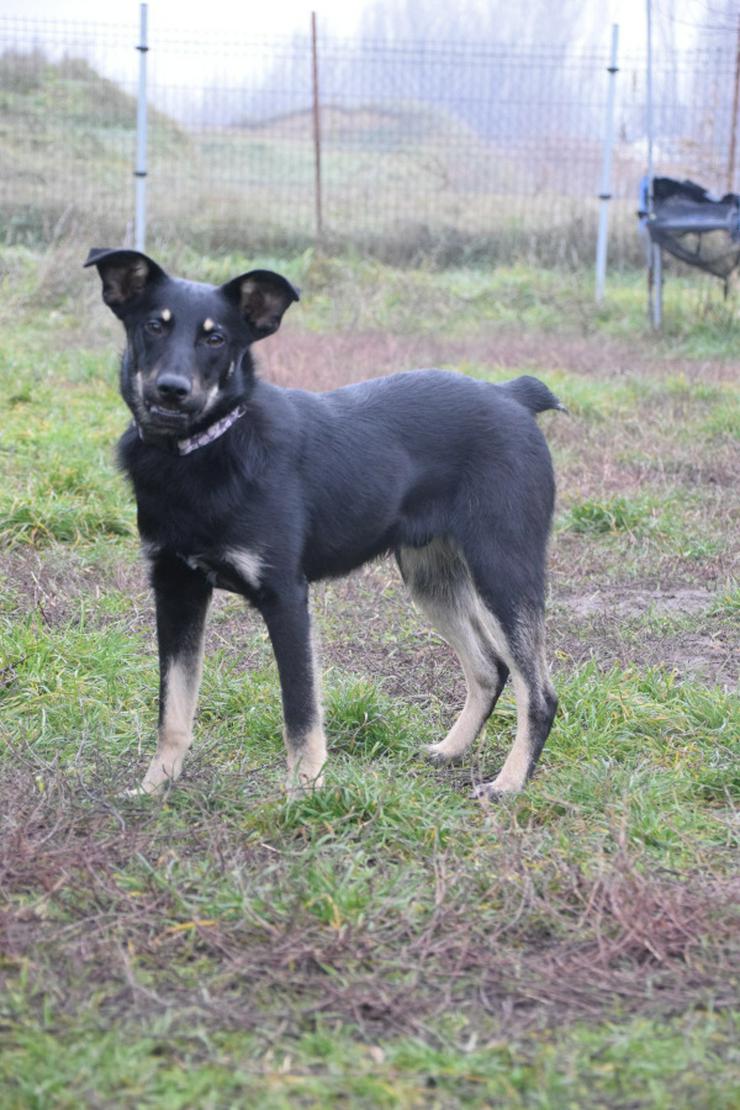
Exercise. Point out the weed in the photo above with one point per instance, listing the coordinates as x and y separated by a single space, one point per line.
617 515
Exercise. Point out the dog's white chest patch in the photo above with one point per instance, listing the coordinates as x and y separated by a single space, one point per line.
234 565
246 563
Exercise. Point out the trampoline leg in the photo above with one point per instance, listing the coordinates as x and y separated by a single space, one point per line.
655 286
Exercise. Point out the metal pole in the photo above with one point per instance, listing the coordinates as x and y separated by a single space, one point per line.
606 170
656 285
649 108
733 122
316 126
655 258
141 136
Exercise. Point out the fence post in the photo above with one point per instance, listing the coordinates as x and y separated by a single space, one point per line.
733 122
316 126
606 169
655 252
655 285
140 172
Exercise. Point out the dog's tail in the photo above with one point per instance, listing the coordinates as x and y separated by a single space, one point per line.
532 393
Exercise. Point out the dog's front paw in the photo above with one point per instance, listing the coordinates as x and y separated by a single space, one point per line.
494 791
147 789
298 786
153 789
163 771
436 754
306 760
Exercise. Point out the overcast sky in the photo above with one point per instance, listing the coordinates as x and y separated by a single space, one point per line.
336 16
220 20
220 16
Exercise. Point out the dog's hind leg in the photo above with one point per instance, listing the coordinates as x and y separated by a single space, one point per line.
440 583
182 596
513 616
289 625
536 704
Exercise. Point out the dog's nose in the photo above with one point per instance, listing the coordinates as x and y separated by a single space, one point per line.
173 387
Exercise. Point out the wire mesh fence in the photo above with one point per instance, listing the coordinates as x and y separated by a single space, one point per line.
461 151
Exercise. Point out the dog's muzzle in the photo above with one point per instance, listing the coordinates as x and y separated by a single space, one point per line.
170 404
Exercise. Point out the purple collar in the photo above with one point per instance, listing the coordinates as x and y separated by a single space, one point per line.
213 431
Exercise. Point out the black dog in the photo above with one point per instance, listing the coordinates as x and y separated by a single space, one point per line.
260 490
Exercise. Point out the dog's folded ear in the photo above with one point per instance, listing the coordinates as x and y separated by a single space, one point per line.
125 275
262 297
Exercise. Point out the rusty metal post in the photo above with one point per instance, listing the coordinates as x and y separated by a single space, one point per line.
316 126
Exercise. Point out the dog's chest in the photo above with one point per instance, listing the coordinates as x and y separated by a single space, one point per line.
236 569
214 571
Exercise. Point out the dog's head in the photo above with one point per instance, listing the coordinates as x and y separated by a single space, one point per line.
187 360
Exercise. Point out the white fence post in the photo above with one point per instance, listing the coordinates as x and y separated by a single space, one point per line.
606 171
316 127
140 171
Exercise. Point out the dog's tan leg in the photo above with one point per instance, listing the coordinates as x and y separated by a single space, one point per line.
306 759
484 681
180 686
182 596
306 747
515 770
536 703
441 586
289 624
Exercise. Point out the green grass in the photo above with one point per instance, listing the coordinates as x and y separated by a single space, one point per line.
673 1064
387 941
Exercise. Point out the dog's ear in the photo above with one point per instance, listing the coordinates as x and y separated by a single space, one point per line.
262 297
125 275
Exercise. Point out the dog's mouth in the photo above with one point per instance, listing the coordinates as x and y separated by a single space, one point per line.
168 419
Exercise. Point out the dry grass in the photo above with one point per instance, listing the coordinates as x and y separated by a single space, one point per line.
527 946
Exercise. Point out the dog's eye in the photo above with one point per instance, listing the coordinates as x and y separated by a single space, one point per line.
215 339
154 327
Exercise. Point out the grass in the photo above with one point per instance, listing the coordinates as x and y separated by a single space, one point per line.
387 941
411 1073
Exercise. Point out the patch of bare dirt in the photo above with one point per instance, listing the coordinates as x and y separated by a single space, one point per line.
636 602
318 362
396 645
706 656
627 625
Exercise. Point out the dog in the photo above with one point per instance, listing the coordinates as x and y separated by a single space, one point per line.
245 486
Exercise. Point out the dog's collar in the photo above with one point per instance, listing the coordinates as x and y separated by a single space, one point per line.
202 439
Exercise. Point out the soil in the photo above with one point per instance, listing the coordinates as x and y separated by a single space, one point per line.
313 361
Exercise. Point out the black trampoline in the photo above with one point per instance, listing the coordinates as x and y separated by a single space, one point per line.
692 225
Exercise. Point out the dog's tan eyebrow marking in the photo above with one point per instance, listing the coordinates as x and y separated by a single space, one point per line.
208 324
166 315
